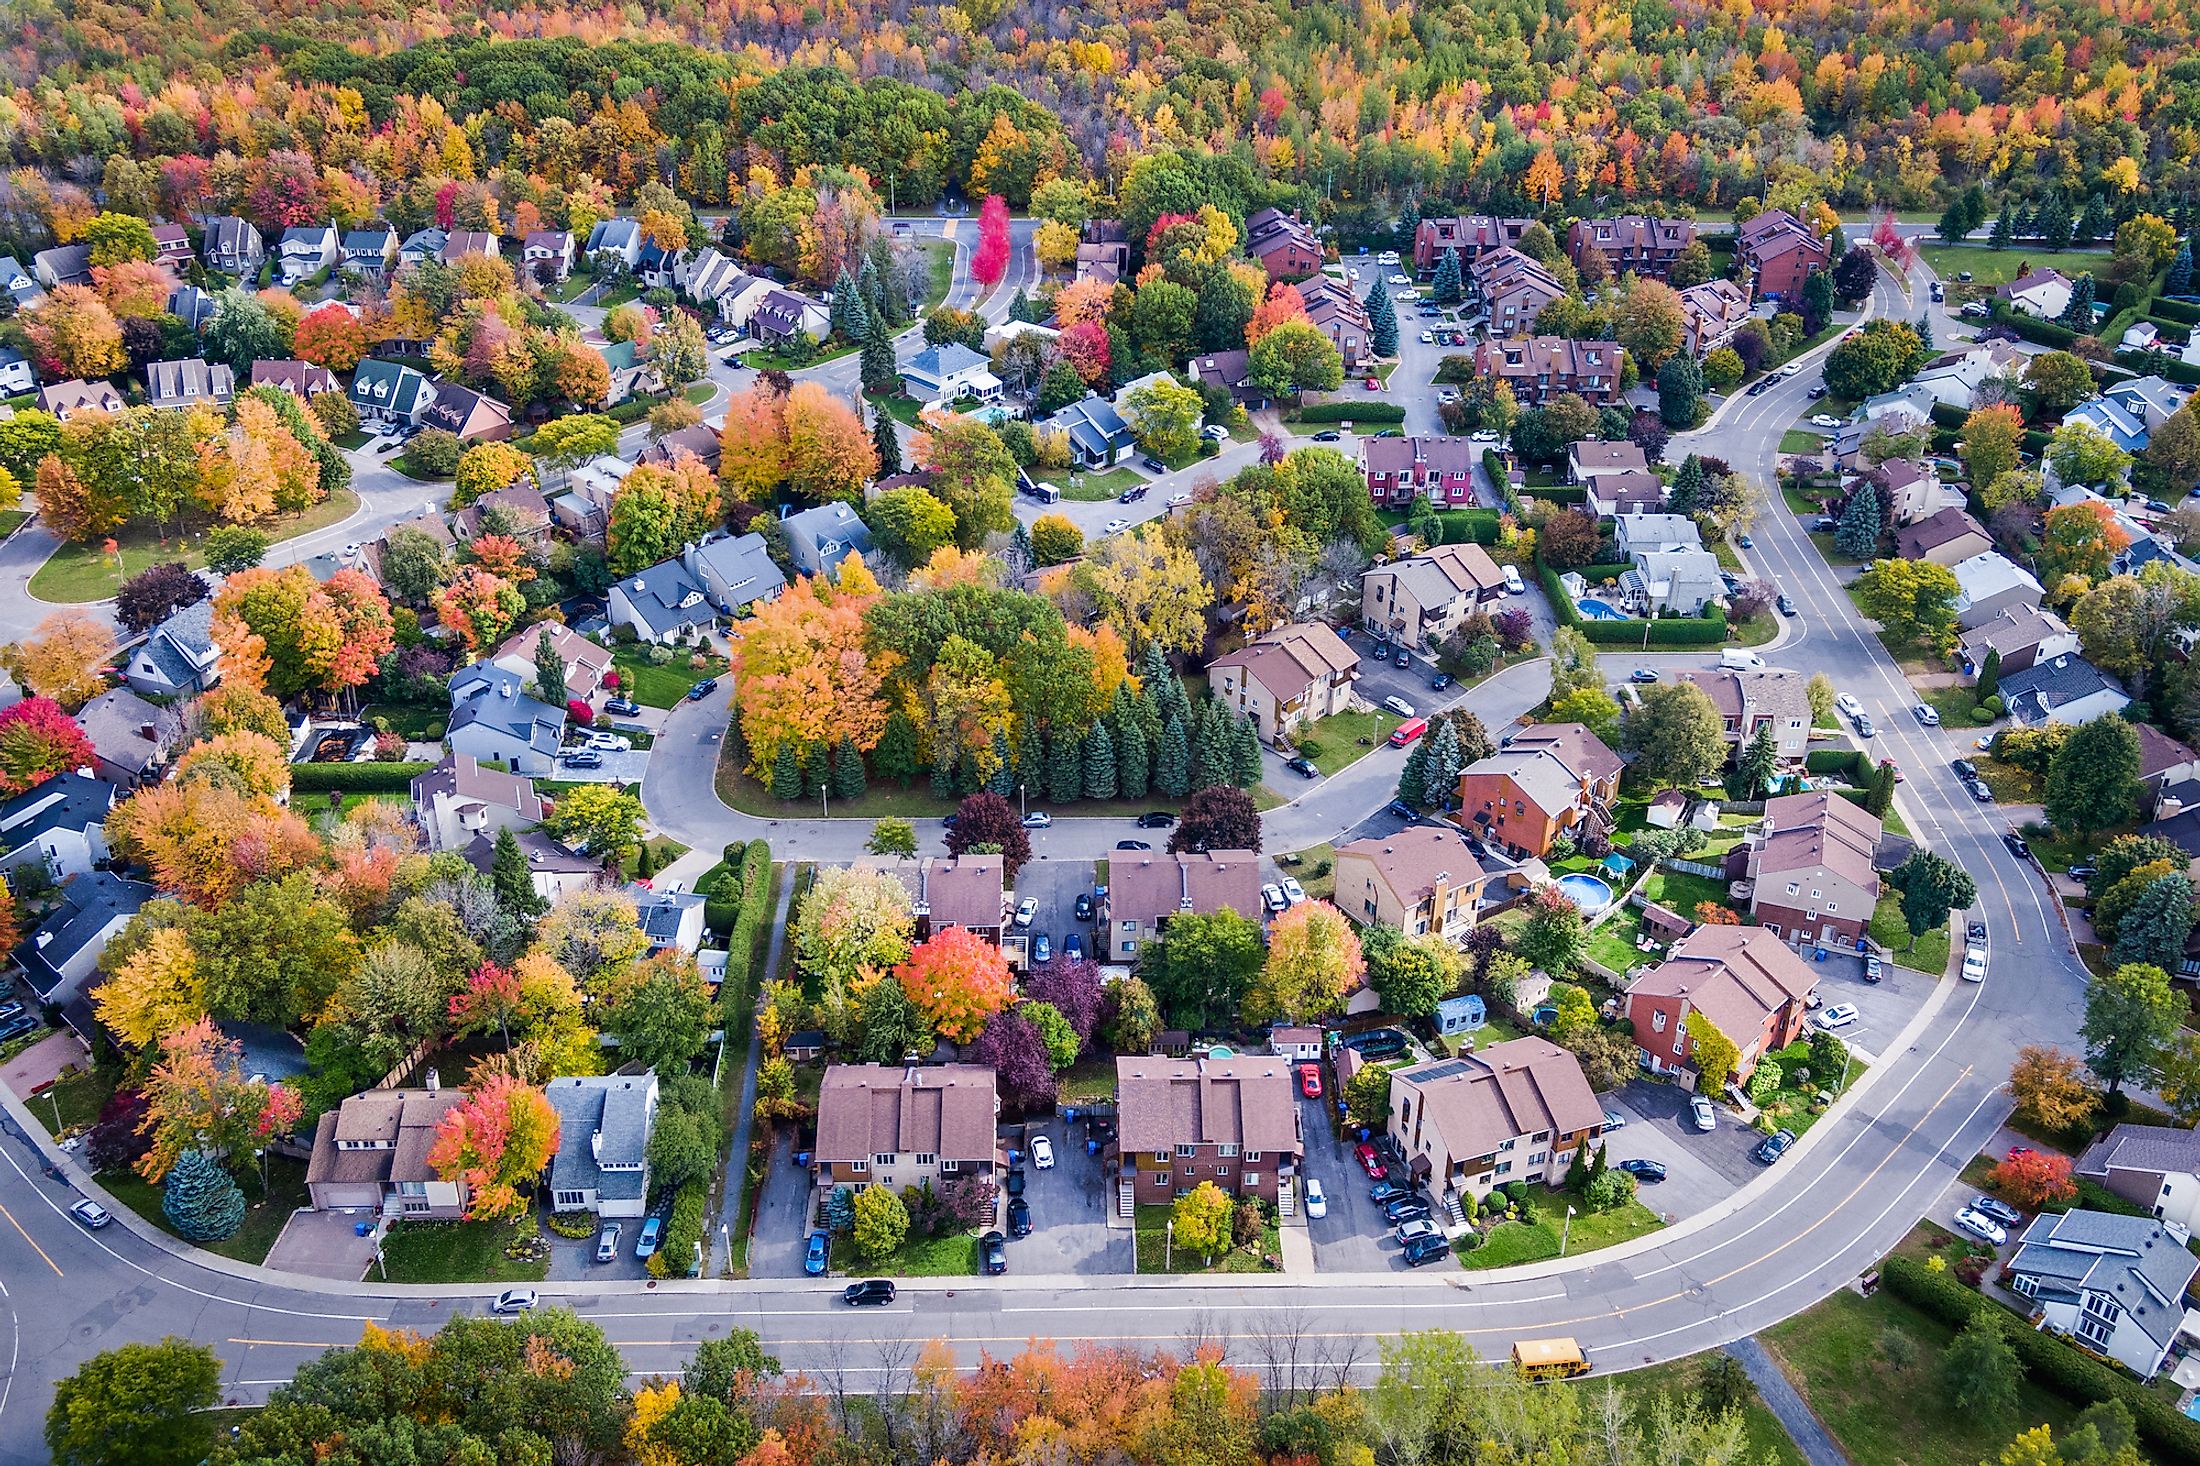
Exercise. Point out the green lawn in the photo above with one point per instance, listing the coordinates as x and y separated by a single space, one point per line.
1992 267
940 262
1087 487
1954 703
1678 891
1322 857
1890 931
456 1252
1339 736
1520 1242
902 409
411 719
2010 784
572 287
664 847
952 1256
1612 943
76 1096
1090 1078
1454 526
75 574
764 359
1791 1104
1767 1441
1870 1367
351 442
665 686
264 1217
1802 440
12 520
1153 1248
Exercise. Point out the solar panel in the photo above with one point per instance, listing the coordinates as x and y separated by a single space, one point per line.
1448 1069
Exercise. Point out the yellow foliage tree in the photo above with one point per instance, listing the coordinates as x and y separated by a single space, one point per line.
157 991
62 658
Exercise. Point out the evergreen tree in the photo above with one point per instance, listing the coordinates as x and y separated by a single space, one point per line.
1413 778
2055 226
1065 766
876 366
1133 761
2027 224
1577 1170
1211 760
1003 781
511 879
1924 330
1245 760
1162 686
896 754
1989 675
967 781
1172 772
848 779
871 286
549 670
1688 486
857 317
200 1200
1099 762
2180 271
1440 778
844 292
2078 315
1031 760
1382 320
886 442
1019 309
786 774
817 770
2095 224
1450 285
943 773
1758 766
1858 535
1598 1163
1879 794
645 862
2004 230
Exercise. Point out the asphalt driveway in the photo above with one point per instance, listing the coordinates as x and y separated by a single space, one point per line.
782 1215
1884 1008
1700 1168
1069 1222
1353 1237
1056 885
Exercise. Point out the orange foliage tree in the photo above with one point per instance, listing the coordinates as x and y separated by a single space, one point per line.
829 455
331 338
205 842
2034 1178
198 1098
494 1141
1284 303
956 981
802 675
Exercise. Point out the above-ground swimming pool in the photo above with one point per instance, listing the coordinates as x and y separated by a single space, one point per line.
1597 610
1587 892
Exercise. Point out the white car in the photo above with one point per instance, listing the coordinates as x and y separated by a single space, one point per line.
1926 714
1982 1226
1840 1015
607 742
1417 1228
515 1300
1178 501
1791 369
1027 911
1974 964
1038 819
1215 432
1272 897
1116 526
1387 257
1293 892
1700 1110
1428 338
1447 394
1399 706
1825 420
1400 280
1848 706
1317 1200
1042 1152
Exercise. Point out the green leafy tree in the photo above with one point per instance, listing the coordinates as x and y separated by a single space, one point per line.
1414 975
893 836
881 1222
139 1405
1877 358
2131 1017
1554 937
2154 931
1914 599
1200 966
1980 1369
889 1025
1932 886
1367 1096
2093 781
200 1200
1055 1032
1201 1220
1711 1051
1675 733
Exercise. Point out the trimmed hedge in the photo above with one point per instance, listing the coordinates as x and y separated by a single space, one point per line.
1561 493
1494 466
1673 632
1382 412
2166 366
1850 763
1468 526
2049 1360
2183 312
753 862
1948 415
2031 328
355 778
682 1233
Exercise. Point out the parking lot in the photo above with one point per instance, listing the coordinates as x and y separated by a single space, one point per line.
1381 678
1701 1168
1353 1237
1056 885
1883 1008
1069 1220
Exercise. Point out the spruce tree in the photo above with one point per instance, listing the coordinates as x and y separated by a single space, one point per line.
2180 271
817 770
1413 778
943 773
645 862
2078 315
1757 766
876 366
200 1200
897 751
1100 768
2055 226
1925 331
786 774
1382 320
1065 766
2095 223
1211 761
1577 1170
845 296
1688 486
1172 772
871 286
1450 285
1003 781
886 442
2005 228
1858 534
549 670
848 779
1031 761
1597 1164
1989 675
1879 793
1440 776
1019 309
510 877
1245 761
1133 762
857 317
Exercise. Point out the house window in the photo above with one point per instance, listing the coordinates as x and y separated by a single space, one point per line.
1504 1168
1793 888
1161 1157
1539 1158
569 1200
2094 1331
1657 1021
926 1159
1540 1136
1184 1152
1226 1150
1252 1178
946 1166
859 1165
1252 1156
884 1160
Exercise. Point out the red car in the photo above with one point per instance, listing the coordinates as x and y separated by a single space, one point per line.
1310 1080
1371 1162
1374 385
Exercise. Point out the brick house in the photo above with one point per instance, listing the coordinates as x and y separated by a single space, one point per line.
1282 244
1710 315
1182 1122
1400 470
1631 242
1287 678
1333 310
1553 779
1424 598
1473 235
1513 288
1810 871
1146 890
1538 368
1751 988
894 1125
1746 699
1421 879
1780 252
1515 1111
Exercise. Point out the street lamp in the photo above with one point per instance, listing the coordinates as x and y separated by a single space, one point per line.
1567 1230
1019 801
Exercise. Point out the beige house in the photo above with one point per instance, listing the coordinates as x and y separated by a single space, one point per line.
1183 1122
1422 879
893 1125
1423 598
1146 889
1513 289
1515 1111
585 662
371 1154
458 799
1287 678
1746 699
1943 537
1810 872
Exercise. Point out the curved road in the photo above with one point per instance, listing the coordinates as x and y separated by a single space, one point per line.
1847 1193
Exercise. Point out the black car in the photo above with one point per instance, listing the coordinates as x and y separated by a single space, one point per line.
624 707
1084 906
1649 1173
1132 845
1303 767
879 1291
1016 1179
993 1247
1424 1250
1820 390
1405 1209
1758 389
2016 845
1975 932
1980 790
17 1026
1964 768
1156 819
1152 464
1328 437
1772 1147
1439 682
581 758
2082 872
1383 1193
1402 809
1401 660
1131 495
2001 1211
702 689
1786 605
1019 1217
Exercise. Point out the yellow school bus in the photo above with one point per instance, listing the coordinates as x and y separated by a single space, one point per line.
1549 1358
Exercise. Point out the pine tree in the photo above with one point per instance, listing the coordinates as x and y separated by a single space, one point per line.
1879 795
2180 271
817 770
1382 320
1133 758
1100 769
1172 773
1019 309
1450 285
1065 766
1758 765
1597 1165
876 365
1003 781
1989 675
1688 486
1577 1170
549 670
1858 535
871 287
1413 778
886 442
2055 226
848 779
857 316
943 773
897 751
2095 223
2005 228
2078 315
1245 761
2027 225
1441 774
844 294
511 879
786 774
200 1200
1211 761
1031 760
1925 331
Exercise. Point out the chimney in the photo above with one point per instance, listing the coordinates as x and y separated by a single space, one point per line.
434 1081
909 1067
595 1145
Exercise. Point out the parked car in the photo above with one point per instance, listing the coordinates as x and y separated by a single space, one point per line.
2082 871
1152 464
1019 1217
1085 909
1132 494
1840 1015
874 1292
1743 541
814 1254
1401 661
1132 845
1156 819
1700 1111
1993 1206
607 1243
1439 682
702 689
1424 1250
1817 391
1328 437
1027 911
1310 1080
1925 713
624 707
91 1214
1116 526
993 1247
1293 893
515 1300
1042 1152
608 743
1874 969
1317 1200
1865 728
1271 898
1073 946
1772 1147
1824 420
1370 1162
1643 674
1614 1120
645 1243
1981 1226
1382 1193
1038 819
1964 768
1303 767
1042 948
1980 791
1649 1173
1406 1209
1016 1181
2016 845
581 758
1974 964
1409 1233
1975 931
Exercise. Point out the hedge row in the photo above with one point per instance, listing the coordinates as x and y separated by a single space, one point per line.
1676 631
1494 466
1468 526
2047 1359
1948 415
2032 328
1561 493
1851 764
683 1233
2183 312
355 778
2166 366
752 864
1383 412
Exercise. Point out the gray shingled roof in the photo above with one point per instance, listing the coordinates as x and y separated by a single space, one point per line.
2131 1259
603 1118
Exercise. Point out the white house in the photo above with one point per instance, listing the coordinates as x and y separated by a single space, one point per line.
2116 1284
949 372
2145 336
1954 379
547 252
1680 581
305 250
1988 584
178 657
2154 1166
620 237
2043 293
15 372
59 824
2064 689
1635 533
604 1125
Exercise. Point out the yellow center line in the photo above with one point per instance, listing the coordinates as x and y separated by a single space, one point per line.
4 1212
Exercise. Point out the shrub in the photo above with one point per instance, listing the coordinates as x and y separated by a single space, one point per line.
683 1233
1469 1241
577 1226
372 778
1382 412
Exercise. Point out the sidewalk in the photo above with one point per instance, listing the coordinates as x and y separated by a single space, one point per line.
737 1154
1793 1412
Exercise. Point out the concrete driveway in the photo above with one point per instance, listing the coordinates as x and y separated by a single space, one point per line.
1069 1220
323 1244
782 1215
618 768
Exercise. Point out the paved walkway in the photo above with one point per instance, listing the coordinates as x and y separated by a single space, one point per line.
729 1209
1795 1415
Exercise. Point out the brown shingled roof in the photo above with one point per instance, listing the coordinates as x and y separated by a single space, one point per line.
878 1109
1247 1101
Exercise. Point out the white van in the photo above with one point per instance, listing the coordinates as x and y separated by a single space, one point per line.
1734 659
1513 587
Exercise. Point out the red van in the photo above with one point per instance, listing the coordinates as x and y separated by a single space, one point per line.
1407 731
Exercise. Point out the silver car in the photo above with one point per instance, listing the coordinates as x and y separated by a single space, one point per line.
1706 1118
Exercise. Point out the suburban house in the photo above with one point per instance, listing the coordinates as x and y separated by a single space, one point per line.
1746 699
2169 771
1472 235
518 510
1539 368
1944 537
1780 252
604 1125
469 416
585 661
189 383
818 539
1287 678
629 368
701 440
904 1125
2151 399
552 869
1909 490
371 1154
463 242
2023 635
1990 583
1333 310
1954 378
422 247
1513 288
369 251
1674 580
1632 534
670 919
735 571
1282 244
2154 1166
458 800
719 577
59 823
171 246
2114 1284
492 720
1421 879
778 316
1233 372
388 393
1515 1111
1710 315
74 398
967 891
232 246
2038 292
1096 431
2064 689
131 737
2113 422
306 249
619 237
1589 460
547 254
61 954
1103 251
1400 470
301 379
192 306
1631 242
1742 980
656 265
1183 1122
1552 779
1146 889
950 372
1422 598
1809 869
64 264
1635 491
177 657
18 283
16 375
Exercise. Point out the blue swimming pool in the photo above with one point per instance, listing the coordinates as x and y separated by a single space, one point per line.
1597 610
1587 892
